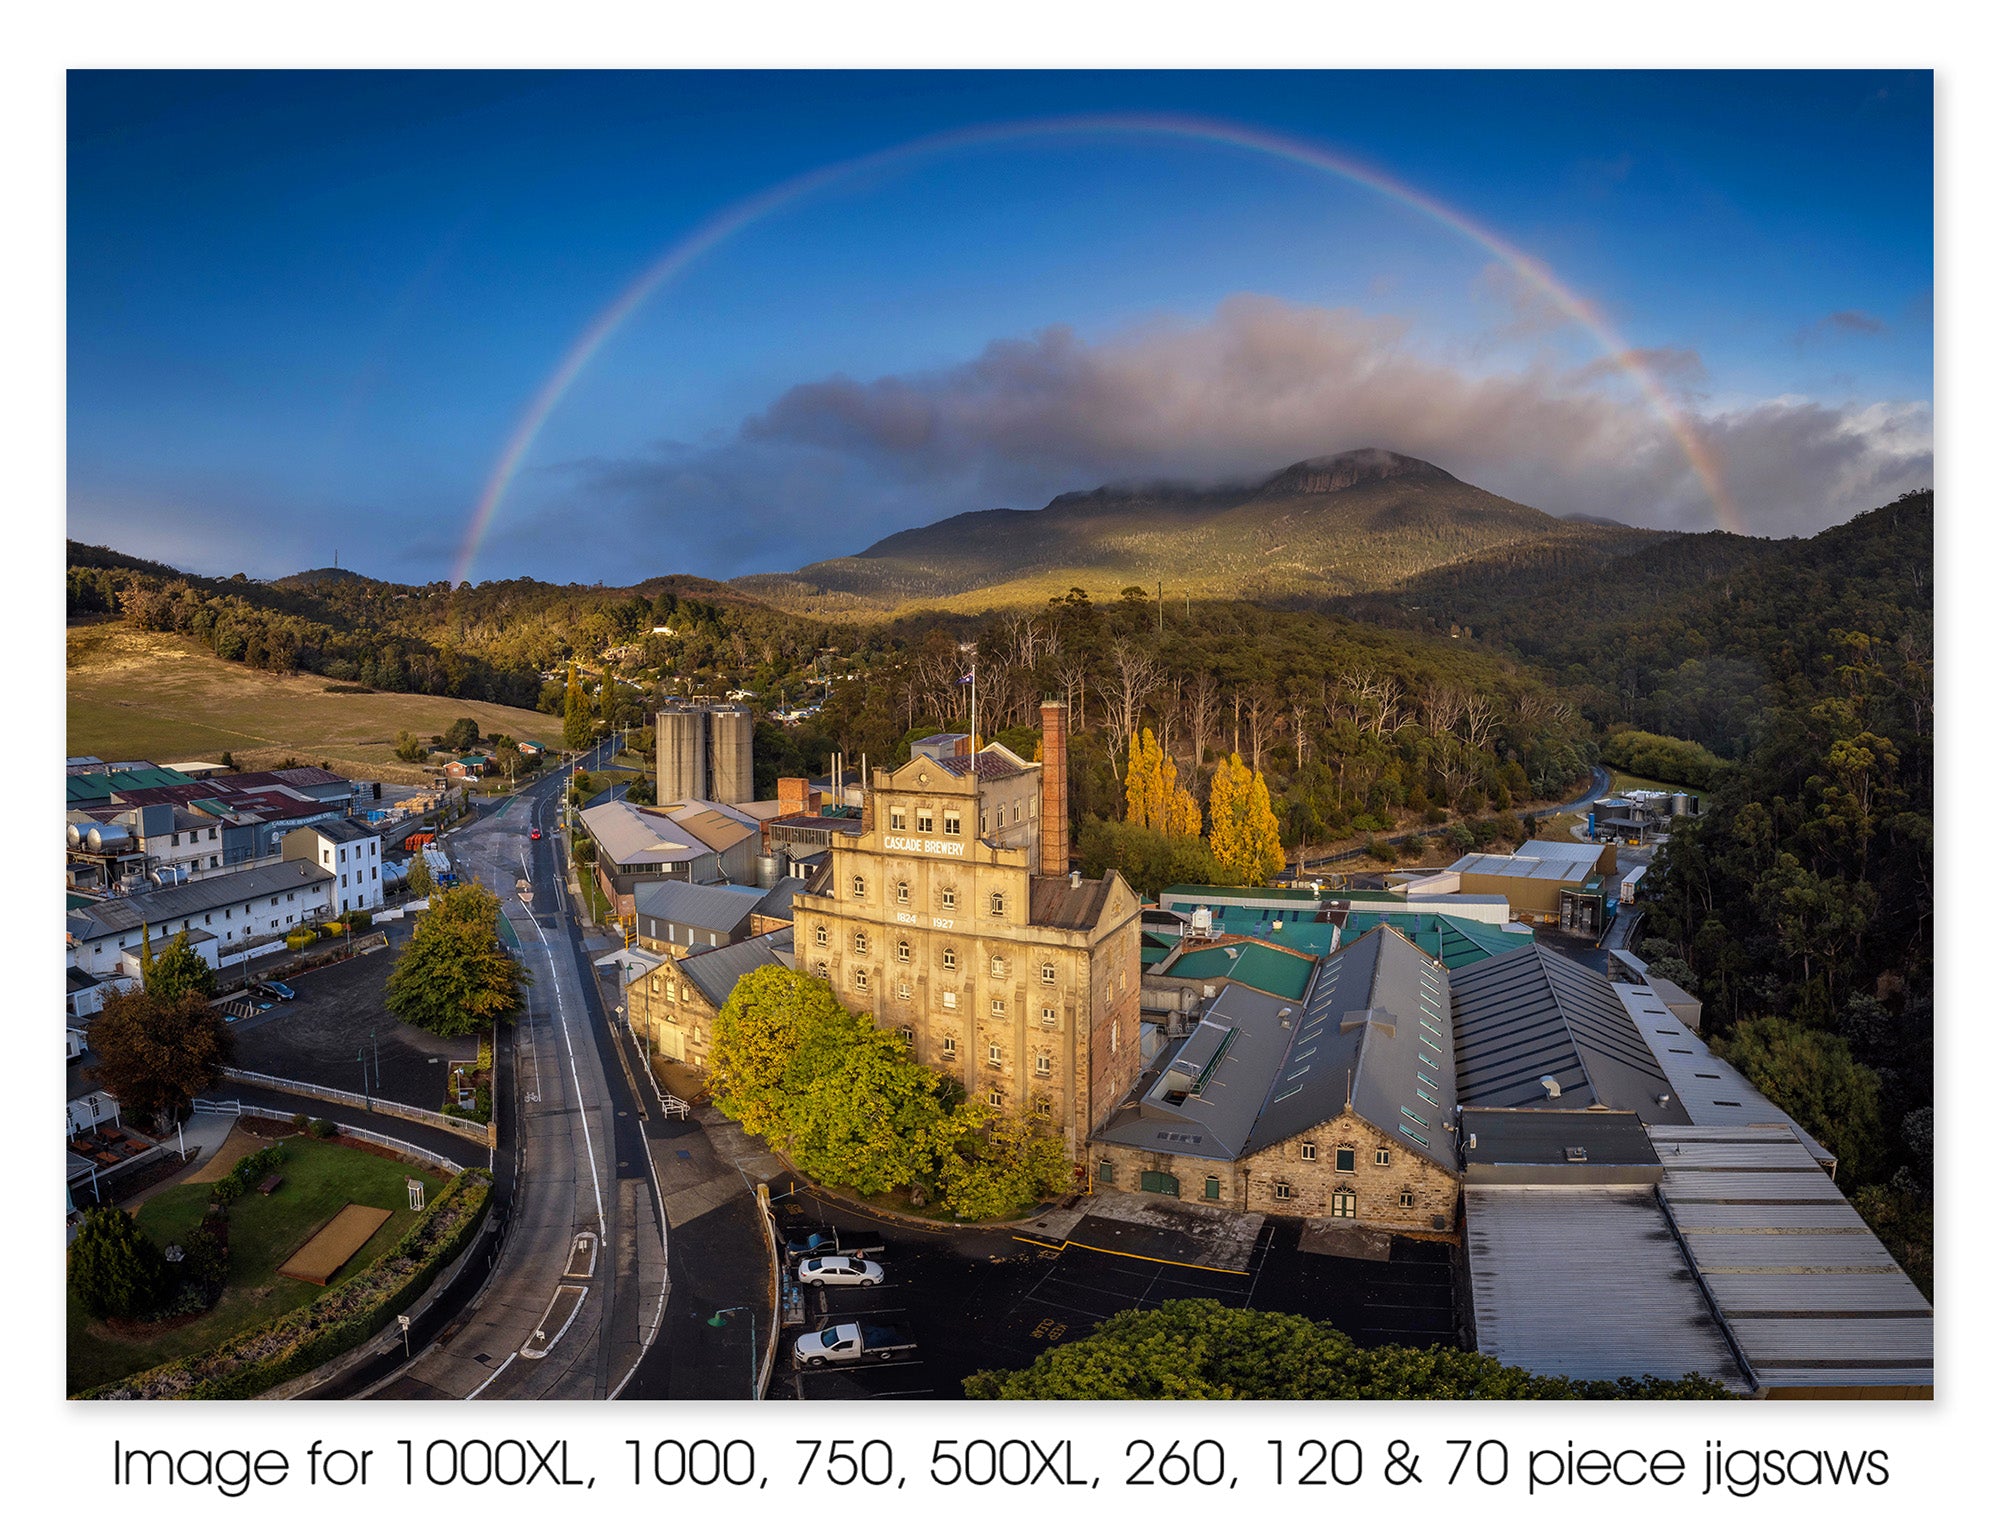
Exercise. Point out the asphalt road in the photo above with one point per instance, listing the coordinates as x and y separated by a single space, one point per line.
578 1285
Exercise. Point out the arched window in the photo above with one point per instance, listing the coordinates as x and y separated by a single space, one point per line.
948 960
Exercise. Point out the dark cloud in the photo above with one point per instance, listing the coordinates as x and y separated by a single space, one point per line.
1846 321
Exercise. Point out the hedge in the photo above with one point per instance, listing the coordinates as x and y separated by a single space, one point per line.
256 1361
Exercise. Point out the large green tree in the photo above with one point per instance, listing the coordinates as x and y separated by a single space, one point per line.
454 977
115 1271
178 970
1197 1348
1813 1077
156 1054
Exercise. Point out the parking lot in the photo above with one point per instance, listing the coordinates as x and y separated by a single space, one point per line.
338 1027
977 1299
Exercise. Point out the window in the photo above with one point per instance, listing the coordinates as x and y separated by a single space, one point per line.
948 959
819 935
1048 1015
996 904
1042 1064
860 978
951 824
993 1053
1382 1157
949 1047
948 897
860 943
1042 1105
998 1009
1281 1190
949 999
897 819
1106 1173
998 967
1211 1189
1048 972
907 1033
860 886
923 821
1309 1151
1406 1199
902 951
819 970
1343 1204
902 893
1343 1161
686 994
902 991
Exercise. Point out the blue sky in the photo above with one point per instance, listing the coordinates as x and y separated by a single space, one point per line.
308 311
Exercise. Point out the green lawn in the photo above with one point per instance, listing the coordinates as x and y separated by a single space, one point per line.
1625 781
320 1179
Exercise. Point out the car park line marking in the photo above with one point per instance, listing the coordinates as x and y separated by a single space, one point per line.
495 1377
1126 1254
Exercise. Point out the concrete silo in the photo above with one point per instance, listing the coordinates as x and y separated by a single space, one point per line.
731 731
681 741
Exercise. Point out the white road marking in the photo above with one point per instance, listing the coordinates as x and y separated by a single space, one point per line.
492 1379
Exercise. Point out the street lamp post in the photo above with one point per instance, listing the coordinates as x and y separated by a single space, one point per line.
720 1320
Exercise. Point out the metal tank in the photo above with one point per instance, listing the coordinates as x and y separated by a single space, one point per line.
109 837
731 731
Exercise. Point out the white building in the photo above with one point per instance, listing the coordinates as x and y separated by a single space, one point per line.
237 908
351 852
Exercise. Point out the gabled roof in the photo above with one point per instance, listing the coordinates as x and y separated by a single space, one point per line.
708 906
1532 1014
95 786
632 834
993 762
1273 969
715 971
1052 902
1455 943
341 831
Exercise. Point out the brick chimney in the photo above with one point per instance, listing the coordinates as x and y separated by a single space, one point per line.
1054 860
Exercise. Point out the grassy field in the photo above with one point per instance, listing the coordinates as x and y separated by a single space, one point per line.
320 1179
1625 781
155 696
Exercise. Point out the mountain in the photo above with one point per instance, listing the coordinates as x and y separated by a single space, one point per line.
1323 528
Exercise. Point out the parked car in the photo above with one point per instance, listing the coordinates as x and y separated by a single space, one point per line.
534 834
802 1245
846 1343
270 988
839 1270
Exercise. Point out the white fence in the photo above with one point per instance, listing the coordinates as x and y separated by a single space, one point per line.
371 1103
237 1108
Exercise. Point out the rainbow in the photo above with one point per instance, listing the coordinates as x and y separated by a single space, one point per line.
734 219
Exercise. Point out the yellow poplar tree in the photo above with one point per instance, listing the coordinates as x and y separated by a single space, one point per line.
1154 799
1243 831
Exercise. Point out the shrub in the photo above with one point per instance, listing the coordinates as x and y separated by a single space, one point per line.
301 938
300 1122
322 1128
114 1269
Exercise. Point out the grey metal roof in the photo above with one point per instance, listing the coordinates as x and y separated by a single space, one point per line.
342 831
1587 1282
1259 1068
1378 1011
716 970
1810 1296
1580 867
707 906
116 915
777 899
1531 1014
1714 1092
1533 1147
633 835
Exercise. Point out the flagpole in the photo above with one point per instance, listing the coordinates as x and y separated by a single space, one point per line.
975 703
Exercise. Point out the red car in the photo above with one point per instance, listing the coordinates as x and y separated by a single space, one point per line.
534 834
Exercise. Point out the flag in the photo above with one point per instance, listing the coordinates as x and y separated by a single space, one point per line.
965 680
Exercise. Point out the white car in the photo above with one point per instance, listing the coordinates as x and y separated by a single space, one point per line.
839 1270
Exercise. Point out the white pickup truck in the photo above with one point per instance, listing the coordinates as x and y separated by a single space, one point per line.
843 1344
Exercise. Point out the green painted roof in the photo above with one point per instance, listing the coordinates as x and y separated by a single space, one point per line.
101 784
1455 943
1283 973
1196 893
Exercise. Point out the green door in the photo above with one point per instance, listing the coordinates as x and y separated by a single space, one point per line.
1158 1183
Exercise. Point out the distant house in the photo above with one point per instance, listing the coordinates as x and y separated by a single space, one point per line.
530 747
259 903
467 767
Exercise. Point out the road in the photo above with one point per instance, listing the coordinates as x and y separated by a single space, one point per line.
578 1287
1600 784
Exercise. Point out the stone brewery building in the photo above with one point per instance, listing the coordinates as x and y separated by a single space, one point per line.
954 919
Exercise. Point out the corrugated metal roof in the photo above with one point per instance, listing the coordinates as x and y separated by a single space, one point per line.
1714 1093
117 915
1273 969
1587 1283
1812 1299
715 972
1530 1014
711 906
1455 943
1577 869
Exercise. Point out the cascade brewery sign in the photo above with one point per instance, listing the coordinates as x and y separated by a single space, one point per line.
926 847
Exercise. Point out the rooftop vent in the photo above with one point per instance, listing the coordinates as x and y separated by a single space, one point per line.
1285 1018
1076 879
1549 1083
